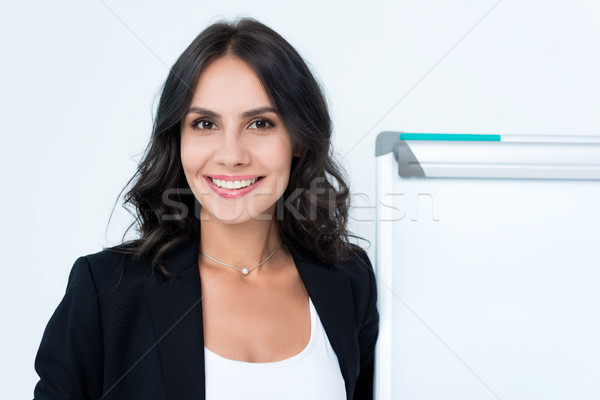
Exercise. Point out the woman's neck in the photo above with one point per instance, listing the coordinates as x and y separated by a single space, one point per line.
243 245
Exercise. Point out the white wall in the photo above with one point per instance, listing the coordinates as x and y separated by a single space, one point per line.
79 81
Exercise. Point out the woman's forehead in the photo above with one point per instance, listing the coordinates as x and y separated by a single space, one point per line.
229 83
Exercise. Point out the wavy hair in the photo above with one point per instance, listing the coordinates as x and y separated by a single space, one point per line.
312 213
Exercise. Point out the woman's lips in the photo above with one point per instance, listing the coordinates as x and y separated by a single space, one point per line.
232 193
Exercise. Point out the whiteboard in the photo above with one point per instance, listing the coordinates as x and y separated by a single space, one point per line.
489 279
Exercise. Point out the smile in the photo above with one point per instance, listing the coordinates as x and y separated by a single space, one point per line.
233 184
233 189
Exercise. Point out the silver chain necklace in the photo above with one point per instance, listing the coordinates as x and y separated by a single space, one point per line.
244 271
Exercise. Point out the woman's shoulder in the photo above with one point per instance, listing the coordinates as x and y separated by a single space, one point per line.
358 265
363 282
110 269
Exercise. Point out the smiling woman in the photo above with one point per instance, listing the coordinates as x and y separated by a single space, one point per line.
243 282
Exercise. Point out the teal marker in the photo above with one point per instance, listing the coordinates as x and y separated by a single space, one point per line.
470 137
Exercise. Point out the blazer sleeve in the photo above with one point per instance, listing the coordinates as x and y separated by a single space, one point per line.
367 337
69 360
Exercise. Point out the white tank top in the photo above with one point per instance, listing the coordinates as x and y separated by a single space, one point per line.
314 373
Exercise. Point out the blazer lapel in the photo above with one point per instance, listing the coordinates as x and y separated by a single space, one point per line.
331 294
177 313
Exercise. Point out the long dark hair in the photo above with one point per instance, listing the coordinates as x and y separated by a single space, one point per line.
315 214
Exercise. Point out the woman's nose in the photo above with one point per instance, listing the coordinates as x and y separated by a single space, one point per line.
232 149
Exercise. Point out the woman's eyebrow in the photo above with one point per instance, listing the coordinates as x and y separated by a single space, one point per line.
246 114
203 111
259 110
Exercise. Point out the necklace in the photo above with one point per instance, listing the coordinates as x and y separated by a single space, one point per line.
244 271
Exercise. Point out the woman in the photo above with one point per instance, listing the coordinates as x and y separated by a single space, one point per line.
243 283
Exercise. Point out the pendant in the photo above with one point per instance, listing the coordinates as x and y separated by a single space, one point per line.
245 271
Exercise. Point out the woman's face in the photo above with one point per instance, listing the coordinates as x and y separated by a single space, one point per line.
235 152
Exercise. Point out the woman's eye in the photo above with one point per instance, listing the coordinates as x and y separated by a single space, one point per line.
204 124
261 124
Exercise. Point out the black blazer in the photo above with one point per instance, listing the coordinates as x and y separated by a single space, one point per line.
144 339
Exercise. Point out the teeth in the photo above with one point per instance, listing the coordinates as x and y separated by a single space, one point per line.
233 184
